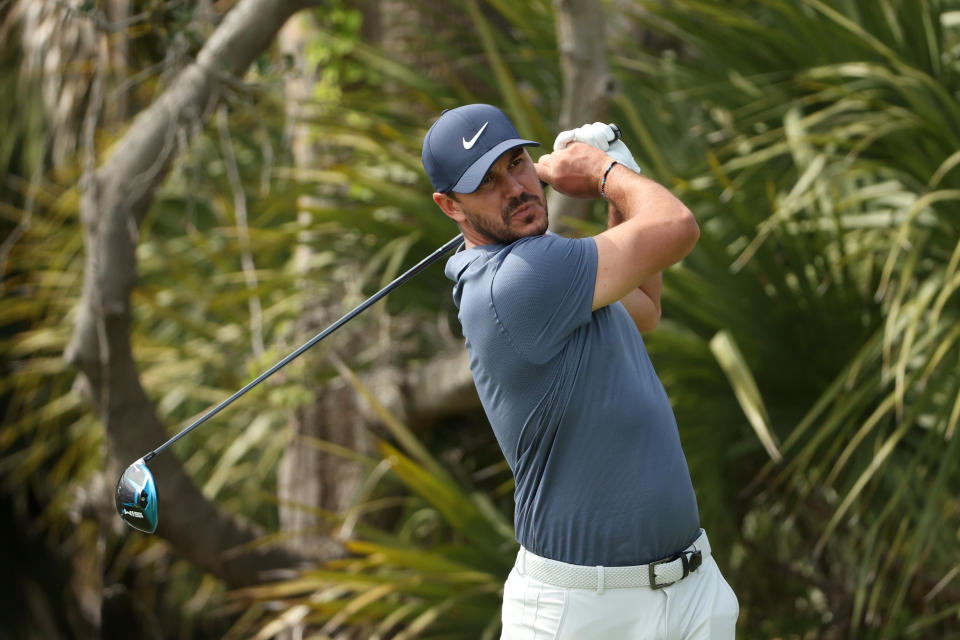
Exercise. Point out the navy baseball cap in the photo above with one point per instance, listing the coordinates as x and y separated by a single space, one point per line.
464 143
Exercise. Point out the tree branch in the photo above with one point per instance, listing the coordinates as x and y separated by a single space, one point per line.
116 197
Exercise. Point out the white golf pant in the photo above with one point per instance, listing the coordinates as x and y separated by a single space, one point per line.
701 606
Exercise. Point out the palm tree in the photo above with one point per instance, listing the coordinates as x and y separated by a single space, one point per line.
833 134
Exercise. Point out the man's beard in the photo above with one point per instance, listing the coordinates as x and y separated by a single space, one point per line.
499 230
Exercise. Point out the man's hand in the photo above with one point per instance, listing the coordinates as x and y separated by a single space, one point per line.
600 136
575 170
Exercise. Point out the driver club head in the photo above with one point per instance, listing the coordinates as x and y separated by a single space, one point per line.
137 497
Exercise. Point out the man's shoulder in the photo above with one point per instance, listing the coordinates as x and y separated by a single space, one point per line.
548 252
543 267
496 253
538 256
544 246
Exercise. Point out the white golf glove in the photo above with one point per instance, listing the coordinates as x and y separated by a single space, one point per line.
599 136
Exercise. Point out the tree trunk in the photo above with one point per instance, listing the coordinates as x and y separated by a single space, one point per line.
115 200
308 478
587 84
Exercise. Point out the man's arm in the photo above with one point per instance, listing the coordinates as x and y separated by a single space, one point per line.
642 309
657 229
643 303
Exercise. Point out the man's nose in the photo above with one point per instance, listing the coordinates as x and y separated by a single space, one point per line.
512 186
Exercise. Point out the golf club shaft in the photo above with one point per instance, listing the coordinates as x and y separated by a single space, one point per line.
420 266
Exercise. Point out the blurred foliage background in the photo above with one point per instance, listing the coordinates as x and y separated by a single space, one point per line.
810 343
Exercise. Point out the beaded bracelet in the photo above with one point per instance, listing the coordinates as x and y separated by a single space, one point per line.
603 182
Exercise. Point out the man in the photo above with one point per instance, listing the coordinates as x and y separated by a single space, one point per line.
611 545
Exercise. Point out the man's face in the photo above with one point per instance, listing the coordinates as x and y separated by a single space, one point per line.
508 205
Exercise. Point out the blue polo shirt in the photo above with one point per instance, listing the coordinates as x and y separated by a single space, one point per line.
574 402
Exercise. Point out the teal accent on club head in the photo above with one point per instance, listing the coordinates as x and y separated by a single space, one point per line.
136 497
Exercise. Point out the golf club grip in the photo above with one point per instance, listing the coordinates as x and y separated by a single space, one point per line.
417 268
616 132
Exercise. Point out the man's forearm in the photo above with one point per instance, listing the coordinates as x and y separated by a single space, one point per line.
643 311
652 287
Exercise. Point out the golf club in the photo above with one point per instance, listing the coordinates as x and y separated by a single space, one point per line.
136 496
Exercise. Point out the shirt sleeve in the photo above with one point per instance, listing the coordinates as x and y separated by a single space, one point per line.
543 291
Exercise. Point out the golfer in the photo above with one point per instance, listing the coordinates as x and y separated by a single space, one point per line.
606 516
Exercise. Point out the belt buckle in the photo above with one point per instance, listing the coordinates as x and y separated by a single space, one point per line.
652 567
689 565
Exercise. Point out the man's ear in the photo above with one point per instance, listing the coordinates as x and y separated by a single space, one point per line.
449 206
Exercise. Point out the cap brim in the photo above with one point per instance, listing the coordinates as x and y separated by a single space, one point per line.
473 176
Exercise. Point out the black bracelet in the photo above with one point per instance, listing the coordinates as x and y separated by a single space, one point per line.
603 182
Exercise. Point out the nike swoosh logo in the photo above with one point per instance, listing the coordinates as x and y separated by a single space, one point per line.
473 140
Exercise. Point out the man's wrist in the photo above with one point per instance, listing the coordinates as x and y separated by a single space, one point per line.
603 179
